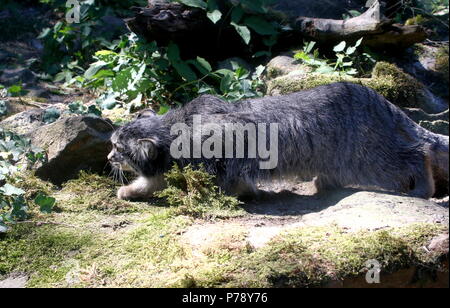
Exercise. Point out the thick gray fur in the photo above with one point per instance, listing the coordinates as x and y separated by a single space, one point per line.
343 134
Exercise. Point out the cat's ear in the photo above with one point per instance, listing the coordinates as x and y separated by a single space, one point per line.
148 148
145 114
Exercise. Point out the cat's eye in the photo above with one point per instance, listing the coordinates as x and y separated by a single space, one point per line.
119 148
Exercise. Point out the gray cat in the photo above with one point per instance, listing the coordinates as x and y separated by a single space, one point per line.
341 134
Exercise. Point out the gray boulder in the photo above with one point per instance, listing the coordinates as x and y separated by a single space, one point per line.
73 144
28 121
377 210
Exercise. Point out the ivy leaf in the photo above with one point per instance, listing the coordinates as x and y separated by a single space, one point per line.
3 108
340 47
214 16
182 68
243 31
93 69
225 83
194 3
3 227
260 25
45 203
163 109
93 110
51 115
205 64
9 190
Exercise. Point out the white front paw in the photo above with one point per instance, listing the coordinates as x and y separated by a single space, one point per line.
123 193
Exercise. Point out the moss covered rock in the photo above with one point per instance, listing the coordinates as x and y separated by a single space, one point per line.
387 79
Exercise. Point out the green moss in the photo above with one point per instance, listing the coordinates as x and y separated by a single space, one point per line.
442 59
40 252
33 185
394 84
288 84
313 256
193 192
94 192
148 255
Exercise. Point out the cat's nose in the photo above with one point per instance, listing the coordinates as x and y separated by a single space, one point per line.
110 155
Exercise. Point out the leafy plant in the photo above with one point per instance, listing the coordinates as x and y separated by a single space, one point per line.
193 192
15 153
79 108
135 72
68 47
347 59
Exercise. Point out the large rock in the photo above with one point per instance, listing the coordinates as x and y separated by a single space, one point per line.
387 79
28 121
73 144
285 64
375 210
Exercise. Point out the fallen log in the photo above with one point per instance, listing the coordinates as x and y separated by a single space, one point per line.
378 31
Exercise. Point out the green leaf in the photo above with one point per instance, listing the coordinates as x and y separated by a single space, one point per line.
261 54
351 50
44 33
259 71
340 47
185 71
243 31
194 3
173 52
163 109
225 83
260 25
302 56
3 227
214 16
354 13
9 190
51 115
3 108
109 103
45 203
205 64
103 74
182 68
15 89
359 42
93 110
93 69
324 69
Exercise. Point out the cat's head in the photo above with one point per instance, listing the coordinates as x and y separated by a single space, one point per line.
137 146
